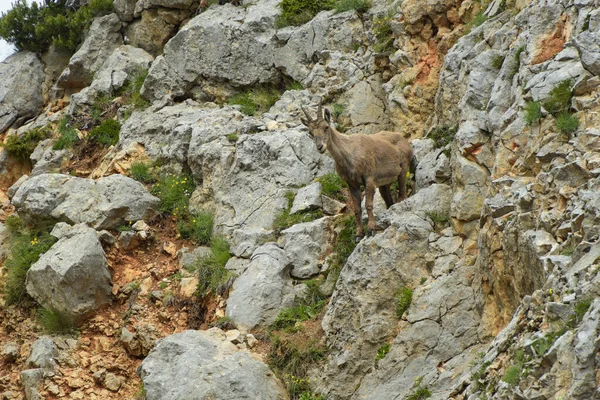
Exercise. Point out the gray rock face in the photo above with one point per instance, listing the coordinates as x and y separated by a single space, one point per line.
433 168
32 380
204 364
103 204
72 277
21 79
154 29
588 45
305 244
124 9
102 38
262 290
46 160
112 74
43 354
361 317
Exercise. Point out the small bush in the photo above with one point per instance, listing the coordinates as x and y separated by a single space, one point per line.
512 375
140 171
256 100
197 227
174 192
361 6
55 322
497 61
442 136
107 133
15 225
382 351
383 33
232 137
305 309
581 308
298 12
131 90
559 98
288 357
542 345
211 270
403 300
25 250
420 392
68 135
566 123
294 85
22 146
533 112
333 186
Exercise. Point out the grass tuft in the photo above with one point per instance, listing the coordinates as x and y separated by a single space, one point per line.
305 309
512 375
256 100
383 351
442 135
141 172
174 192
21 146
403 300
212 274
566 123
106 134
198 227
533 112
333 186
497 61
559 98
299 12
285 219
360 6
67 135
55 322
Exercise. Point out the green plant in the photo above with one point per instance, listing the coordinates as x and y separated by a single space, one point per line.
232 137
512 375
420 392
211 270
343 244
21 146
566 123
497 61
533 112
581 308
382 351
308 307
68 135
333 186
132 88
25 249
174 192
361 6
225 323
15 225
516 61
140 171
100 107
477 20
559 98
383 33
255 100
197 227
442 135
403 300
298 12
107 133
55 322
294 358
477 375
294 85
543 344
141 393
285 219
124 228
338 110
440 220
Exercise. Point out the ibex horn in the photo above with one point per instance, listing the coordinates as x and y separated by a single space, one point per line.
320 110
305 113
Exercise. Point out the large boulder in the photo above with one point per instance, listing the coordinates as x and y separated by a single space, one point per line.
263 290
21 79
103 204
72 276
154 29
102 38
204 364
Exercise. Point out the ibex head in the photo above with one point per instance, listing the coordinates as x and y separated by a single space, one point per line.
319 129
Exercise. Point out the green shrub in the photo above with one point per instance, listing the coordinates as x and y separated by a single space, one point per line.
533 112
197 227
383 351
256 100
285 219
440 220
361 6
403 300
21 146
581 308
333 186
174 192
140 171
383 33
106 134
543 344
308 307
512 375
25 249
288 357
35 28
566 123
15 225
298 12
516 61
68 135
497 61
131 90
477 20
211 270
232 137
442 135
55 322
559 98
420 393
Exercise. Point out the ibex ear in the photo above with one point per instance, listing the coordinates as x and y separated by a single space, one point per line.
327 114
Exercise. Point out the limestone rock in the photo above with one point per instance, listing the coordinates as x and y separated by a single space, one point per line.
588 46
140 343
72 277
104 204
43 354
305 244
102 38
307 198
32 380
46 160
262 290
154 29
21 78
197 364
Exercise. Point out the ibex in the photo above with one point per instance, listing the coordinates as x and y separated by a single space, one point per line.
369 160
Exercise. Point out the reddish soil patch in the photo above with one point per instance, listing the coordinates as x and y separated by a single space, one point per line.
553 43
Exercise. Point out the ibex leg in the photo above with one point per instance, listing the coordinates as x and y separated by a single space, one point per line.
356 198
369 193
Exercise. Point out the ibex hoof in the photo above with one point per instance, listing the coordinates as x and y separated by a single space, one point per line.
358 238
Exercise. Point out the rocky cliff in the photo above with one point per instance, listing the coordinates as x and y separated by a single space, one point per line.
482 284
